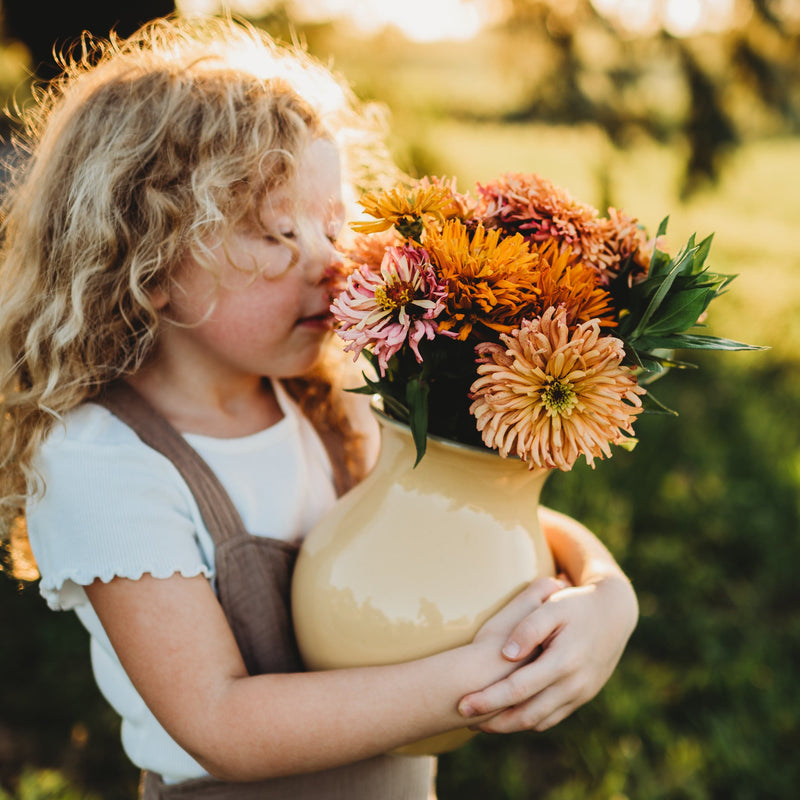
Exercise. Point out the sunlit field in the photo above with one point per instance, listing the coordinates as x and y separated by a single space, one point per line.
754 212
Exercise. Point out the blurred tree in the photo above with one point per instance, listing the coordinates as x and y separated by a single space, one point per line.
580 65
43 30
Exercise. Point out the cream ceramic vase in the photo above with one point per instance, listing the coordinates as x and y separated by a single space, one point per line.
412 561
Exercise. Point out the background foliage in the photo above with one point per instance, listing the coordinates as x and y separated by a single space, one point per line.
704 515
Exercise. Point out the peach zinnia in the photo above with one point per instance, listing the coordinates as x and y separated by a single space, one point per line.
625 242
551 394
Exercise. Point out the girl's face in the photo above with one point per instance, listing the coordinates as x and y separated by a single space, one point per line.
265 316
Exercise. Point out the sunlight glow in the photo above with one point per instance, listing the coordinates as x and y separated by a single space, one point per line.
419 20
437 20
677 17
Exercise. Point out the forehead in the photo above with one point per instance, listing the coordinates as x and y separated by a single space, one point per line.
316 186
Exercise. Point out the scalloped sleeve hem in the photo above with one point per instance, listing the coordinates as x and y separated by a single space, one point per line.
111 507
65 593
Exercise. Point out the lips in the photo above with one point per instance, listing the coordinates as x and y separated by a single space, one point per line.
322 318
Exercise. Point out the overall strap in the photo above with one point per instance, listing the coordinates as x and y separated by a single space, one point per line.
220 516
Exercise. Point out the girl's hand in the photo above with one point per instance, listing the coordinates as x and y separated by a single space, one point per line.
574 636
498 629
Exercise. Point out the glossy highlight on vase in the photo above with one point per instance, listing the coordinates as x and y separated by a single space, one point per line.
413 560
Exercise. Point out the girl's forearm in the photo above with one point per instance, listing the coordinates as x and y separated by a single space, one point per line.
586 561
577 551
271 725
175 644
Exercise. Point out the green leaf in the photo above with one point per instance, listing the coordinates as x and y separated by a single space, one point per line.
680 312
417 399
372 359
691 341
659 259
667 361
678 265
701 254
660 407
363 390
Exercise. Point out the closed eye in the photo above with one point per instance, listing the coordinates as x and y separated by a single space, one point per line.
279 237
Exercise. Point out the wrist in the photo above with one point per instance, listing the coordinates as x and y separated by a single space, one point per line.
487 664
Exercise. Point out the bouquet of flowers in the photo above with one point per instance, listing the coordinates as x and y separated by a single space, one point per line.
518 318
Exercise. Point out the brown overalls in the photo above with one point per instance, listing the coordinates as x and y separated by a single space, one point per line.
253 575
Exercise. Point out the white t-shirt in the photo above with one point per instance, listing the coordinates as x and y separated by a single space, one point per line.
115 507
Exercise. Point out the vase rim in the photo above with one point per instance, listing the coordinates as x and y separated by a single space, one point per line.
385 419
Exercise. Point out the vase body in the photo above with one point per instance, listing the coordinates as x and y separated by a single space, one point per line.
414 560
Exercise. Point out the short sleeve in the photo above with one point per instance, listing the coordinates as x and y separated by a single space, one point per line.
111 507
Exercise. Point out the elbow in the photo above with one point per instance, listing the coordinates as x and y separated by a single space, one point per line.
218 771
236 765
222 766
215 761
631 605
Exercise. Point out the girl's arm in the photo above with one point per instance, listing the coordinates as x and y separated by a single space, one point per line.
581 630
176 646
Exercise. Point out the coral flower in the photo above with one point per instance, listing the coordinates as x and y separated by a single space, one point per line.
387 308
410 209
490 279
623 240
370 250
543 211
551 394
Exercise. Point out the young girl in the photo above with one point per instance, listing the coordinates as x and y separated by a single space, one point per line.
164 295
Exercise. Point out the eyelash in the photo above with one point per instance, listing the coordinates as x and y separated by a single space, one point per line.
277 238
273 239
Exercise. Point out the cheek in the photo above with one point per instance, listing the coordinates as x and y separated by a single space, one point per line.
277 263
262 310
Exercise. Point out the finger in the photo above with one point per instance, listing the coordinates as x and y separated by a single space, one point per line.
518 687
549 585
532 632
545 709
556 717
562 576
535 593
533 629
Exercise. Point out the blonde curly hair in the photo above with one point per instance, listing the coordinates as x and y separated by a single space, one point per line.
142 150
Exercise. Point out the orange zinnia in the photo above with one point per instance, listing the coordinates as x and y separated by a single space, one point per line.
565 281
490 277
410 209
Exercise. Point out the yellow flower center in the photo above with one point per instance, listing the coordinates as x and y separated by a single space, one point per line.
394 295
559 397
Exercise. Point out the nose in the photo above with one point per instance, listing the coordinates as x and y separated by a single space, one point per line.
323 259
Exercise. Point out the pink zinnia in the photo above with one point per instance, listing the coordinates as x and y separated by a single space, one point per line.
386 308
553 394
541 210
